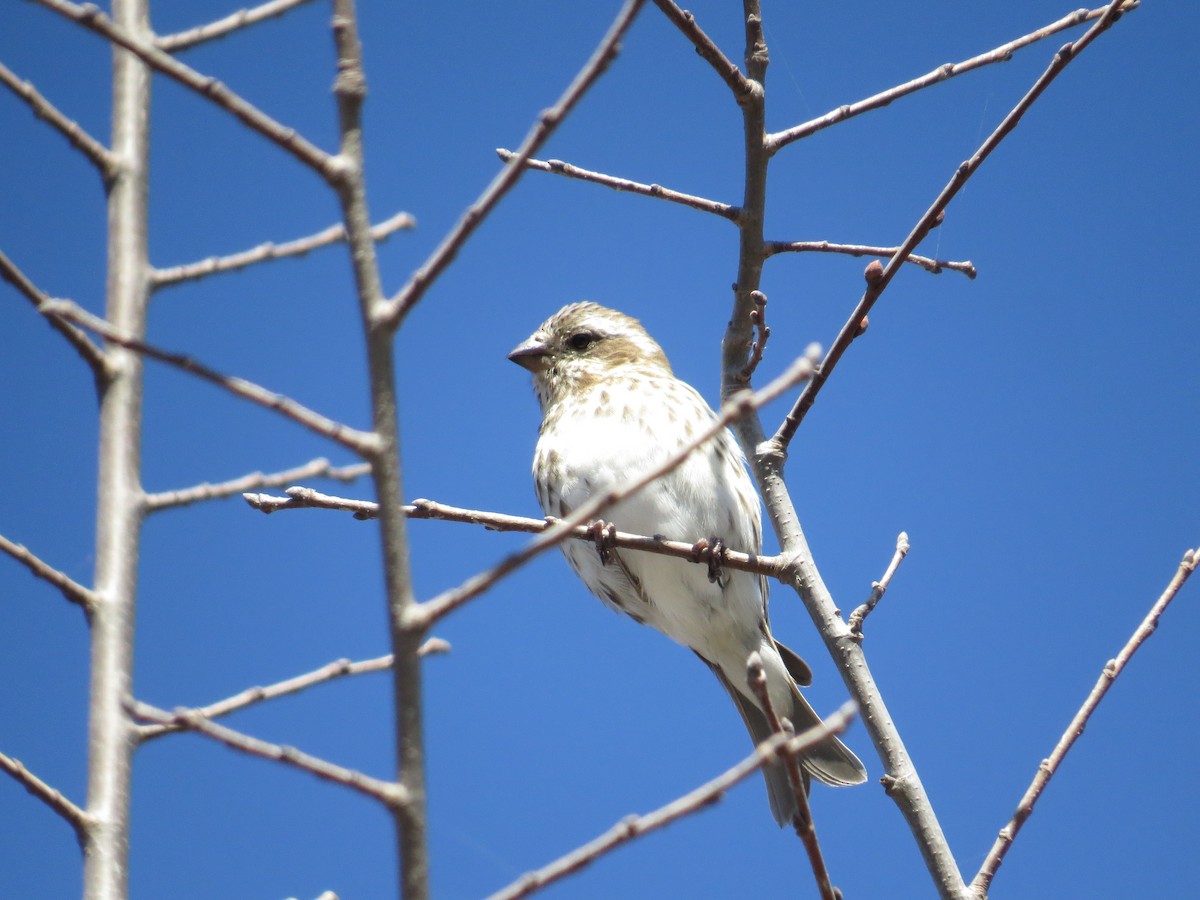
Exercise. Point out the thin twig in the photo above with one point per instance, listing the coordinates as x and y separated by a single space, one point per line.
758 316
81 596
631 827
307 498
243 18
317 468
879 588
708 51
272 251
84 346
52 797
1003 53
360 442
558 167
933 266
92 18
386 792
878 279
1112 669
340 668
96 152
736 406
547 122
806 830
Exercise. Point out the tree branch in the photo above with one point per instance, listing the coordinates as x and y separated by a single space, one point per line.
756 676
96 152
317 468
340 668
776 747
708 51
933 266
388 793
360 442
879 588
558 167
53 798
271 251
307 498
243 18
1003 53
84 346
92 18
547 122
81 596
878 279
1112 669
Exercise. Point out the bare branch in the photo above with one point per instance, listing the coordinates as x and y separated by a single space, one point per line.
1003 53
933 266
338 669
92 18
547 122
53 798
91 354
388 793
806 830
271 251
779 745
758 316
1112 669
879 588
81 596
709 52
735 407
307 498
361 442
878 279
243 18
559 167
96 152
317 468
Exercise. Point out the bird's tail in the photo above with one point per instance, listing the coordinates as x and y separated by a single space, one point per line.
829 761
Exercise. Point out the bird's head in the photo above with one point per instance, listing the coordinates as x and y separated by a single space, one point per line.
586 344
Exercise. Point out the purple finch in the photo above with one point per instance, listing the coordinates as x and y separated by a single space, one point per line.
612 409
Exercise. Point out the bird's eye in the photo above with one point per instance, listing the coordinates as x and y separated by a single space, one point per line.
581 340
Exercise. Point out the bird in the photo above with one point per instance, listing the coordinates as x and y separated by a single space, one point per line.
612 409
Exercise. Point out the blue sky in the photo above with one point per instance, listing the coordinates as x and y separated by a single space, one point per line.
1034 431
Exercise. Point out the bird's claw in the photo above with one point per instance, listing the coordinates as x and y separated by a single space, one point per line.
711 551
604 535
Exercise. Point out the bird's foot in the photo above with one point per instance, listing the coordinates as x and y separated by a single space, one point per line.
711 551
604 535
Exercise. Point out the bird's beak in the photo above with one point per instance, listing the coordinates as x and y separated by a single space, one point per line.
530 354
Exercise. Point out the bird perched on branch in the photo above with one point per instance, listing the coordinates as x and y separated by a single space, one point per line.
611 410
